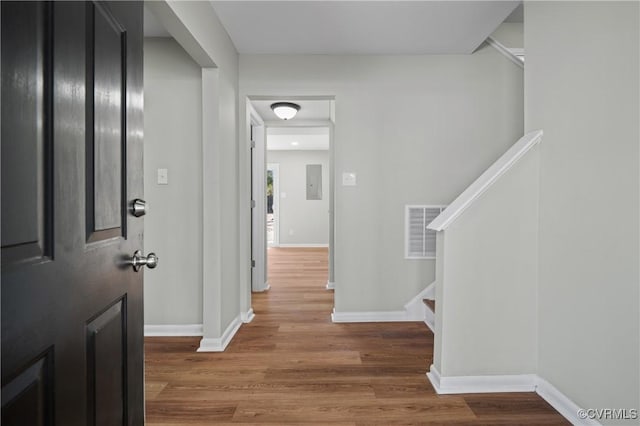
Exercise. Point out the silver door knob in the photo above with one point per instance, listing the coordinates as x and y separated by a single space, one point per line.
139 260
138 207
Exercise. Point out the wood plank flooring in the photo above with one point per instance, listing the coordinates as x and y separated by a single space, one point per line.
293 365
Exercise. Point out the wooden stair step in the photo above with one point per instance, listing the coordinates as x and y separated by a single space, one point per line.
431 304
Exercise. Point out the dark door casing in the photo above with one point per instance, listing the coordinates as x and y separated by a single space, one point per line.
72 134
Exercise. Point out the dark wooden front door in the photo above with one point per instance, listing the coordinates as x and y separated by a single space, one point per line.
72 133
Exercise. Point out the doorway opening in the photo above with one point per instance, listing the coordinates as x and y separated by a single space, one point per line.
296 203
300 158
273 206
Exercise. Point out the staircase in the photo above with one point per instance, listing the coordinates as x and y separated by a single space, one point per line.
430 313
423 307
430 304
494 217
486 288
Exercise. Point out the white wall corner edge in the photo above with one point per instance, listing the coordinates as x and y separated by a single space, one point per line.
219 344
510 383
172 330
330 285
377 316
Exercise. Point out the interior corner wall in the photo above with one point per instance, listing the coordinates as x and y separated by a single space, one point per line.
582 89
302 221
173 138
197 27
415 130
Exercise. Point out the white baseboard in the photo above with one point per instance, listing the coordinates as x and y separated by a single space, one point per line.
219 344
174 330
248 316
434 377
510 383
379 316
481 384
561 403
330 285
265 287
303 245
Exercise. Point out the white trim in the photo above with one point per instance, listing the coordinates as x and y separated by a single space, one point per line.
415 307
510 383
561 403
330 285
265 287
506 52
259 193
481 384
430 319
219 344
517 51
275 170
303 245
295 123
434 377
177 330
332 195
484 182
248 316
378 316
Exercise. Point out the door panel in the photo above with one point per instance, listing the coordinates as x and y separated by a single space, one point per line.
72 341
25 156
106 367
108 48
28 398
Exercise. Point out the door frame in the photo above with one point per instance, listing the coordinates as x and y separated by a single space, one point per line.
330 285
257 141
275 167
246 236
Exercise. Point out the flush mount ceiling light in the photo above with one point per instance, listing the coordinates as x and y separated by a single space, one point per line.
285 110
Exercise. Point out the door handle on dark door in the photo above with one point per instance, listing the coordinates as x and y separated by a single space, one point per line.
139 260
138 207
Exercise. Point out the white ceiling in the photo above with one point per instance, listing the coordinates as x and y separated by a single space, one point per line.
297 138
360 27
309 110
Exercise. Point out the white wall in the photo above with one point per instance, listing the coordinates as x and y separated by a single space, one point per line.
582 88
510 34
197 28
488 277
173 140
416 130
308 219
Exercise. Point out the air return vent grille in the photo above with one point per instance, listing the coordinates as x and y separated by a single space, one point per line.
420 242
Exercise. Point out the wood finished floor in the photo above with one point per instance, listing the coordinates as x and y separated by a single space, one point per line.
293 365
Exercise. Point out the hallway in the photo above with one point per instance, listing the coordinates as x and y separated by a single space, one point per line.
293 365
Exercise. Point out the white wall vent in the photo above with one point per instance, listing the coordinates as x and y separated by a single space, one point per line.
420 242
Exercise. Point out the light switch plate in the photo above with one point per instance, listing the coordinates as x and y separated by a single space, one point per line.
349 179
163 177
